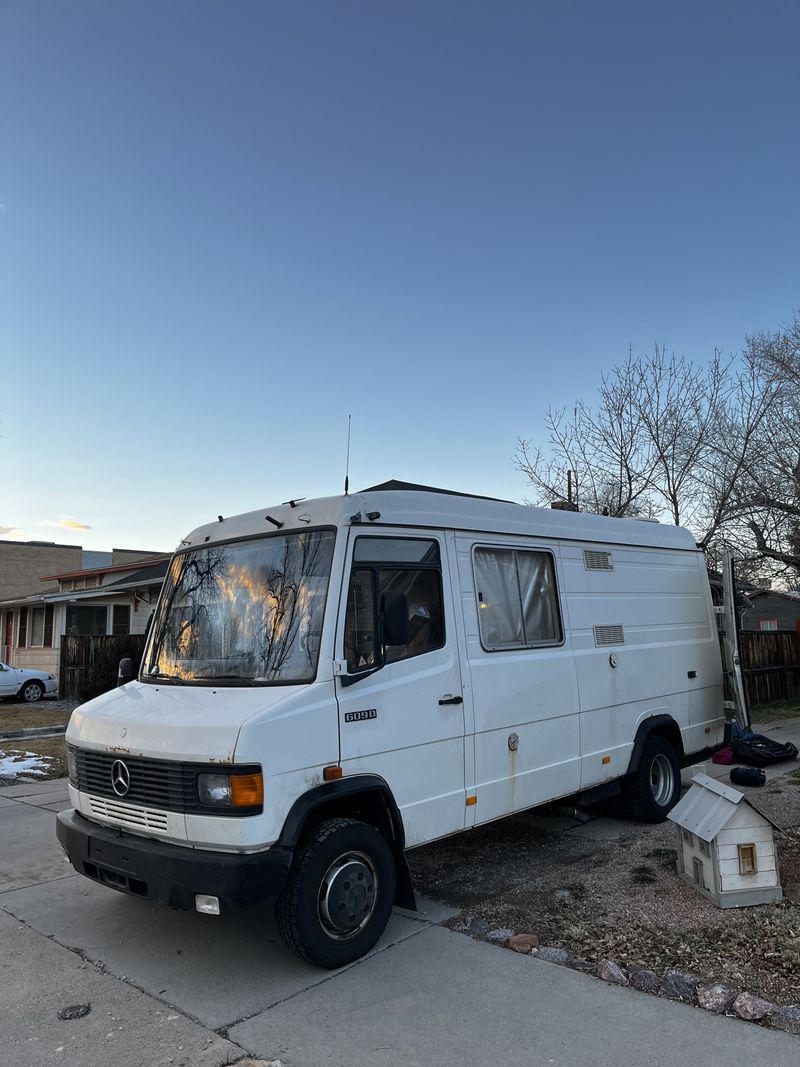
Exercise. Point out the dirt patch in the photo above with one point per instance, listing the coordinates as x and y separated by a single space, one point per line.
622 899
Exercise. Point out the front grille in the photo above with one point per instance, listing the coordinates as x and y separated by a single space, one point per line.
135 817
168 785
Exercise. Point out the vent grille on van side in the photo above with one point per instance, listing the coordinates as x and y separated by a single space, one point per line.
608 635
597 561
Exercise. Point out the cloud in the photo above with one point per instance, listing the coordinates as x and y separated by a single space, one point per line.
14 531
67 522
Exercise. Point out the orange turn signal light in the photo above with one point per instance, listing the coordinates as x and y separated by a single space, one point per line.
330 774
247 790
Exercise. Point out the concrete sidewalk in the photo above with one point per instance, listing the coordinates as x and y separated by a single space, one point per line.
172 988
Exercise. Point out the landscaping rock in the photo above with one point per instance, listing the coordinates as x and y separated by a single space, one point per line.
611 972
679 986
523 942
563 895
752 1008
718 998
585 966
479 927
499 935
787 1019
552 954
643 979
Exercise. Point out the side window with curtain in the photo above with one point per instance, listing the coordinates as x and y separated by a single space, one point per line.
517 600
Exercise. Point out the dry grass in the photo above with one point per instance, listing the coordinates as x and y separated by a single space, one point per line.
21 716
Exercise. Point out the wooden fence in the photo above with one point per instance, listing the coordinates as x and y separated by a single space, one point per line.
89 665
770 665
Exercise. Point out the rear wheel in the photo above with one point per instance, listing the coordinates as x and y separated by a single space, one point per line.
31 692
654 788
339 894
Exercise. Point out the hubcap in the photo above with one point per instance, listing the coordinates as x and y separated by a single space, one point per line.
32 692
347 895
662 780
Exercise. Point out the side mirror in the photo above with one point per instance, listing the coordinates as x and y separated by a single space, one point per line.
394 613
125 671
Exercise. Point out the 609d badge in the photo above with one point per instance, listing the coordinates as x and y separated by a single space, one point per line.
360 716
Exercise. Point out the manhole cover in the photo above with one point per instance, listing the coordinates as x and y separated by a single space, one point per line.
75 1011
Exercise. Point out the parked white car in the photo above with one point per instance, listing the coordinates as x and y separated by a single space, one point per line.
26 685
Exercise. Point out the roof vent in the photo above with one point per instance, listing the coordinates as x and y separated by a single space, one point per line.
594 560
608 635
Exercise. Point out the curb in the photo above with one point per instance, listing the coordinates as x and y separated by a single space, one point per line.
32 731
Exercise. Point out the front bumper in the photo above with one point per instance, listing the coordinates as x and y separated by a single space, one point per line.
169 874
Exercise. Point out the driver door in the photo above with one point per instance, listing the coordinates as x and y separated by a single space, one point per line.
401 705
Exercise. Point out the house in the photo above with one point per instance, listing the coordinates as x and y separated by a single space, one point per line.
726 848
116 598
22 563
772 609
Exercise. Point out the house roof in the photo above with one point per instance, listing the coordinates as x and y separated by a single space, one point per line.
708 807
120 567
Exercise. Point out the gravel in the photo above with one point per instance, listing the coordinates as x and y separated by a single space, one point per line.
621 900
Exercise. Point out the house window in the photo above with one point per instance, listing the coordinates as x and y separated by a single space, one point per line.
121 624
688 837
517 602
704 848
48 626
22 634
86 621
768 624
697 872
36 635
747 859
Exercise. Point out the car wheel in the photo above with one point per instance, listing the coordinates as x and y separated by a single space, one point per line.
31 692
654 788
339 894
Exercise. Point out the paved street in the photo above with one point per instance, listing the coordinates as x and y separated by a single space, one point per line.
168 988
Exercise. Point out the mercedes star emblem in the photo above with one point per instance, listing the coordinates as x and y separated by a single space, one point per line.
120 778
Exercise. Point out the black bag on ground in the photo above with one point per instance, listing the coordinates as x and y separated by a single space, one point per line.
759 751
748 776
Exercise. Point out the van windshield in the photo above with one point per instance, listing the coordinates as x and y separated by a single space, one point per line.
244 613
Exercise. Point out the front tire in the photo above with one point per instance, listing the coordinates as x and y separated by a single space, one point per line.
339 894
31 692
654 788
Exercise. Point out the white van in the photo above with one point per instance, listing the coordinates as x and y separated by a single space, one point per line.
328 683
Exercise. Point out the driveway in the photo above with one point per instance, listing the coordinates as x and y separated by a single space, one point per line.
171 988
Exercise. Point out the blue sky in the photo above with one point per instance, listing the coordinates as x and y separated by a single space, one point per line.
225 226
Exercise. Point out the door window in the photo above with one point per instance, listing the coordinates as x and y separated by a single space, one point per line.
409 566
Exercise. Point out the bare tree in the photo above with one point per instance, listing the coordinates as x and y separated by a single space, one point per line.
714 447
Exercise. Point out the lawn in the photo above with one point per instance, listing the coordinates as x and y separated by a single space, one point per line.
763 714
19 716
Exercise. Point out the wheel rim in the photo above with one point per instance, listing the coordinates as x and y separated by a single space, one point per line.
662 780
32 693
347 896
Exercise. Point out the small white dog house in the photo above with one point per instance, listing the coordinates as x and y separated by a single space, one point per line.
726 848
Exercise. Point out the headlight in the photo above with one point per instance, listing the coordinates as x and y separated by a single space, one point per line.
231 790
72 766
51 677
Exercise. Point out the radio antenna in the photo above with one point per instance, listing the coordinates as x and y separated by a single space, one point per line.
347 463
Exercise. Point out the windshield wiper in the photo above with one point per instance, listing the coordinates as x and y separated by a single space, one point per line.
223 678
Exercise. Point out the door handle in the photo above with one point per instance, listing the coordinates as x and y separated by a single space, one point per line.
451 700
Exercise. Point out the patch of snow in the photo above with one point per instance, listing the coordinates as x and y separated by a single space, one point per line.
16 763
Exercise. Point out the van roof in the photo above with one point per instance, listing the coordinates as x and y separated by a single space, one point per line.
393 504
